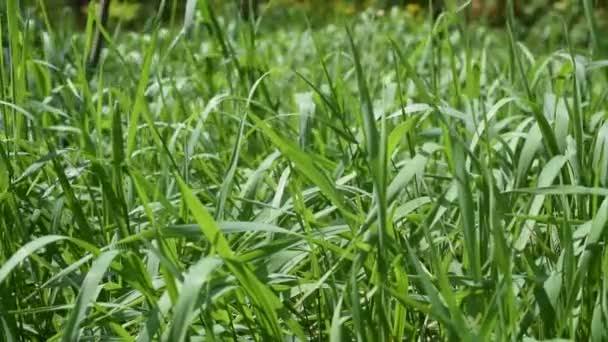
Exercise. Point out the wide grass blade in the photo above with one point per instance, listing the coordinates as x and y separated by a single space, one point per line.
416 176
266 300
307 166
88 294
194 281
25 251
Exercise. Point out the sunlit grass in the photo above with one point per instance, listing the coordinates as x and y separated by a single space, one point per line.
395 179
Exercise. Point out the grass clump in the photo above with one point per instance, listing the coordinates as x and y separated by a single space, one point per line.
401 179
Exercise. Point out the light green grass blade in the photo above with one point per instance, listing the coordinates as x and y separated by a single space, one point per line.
307 167
140 97
194 281
87 295
335 334
25 251
205 221
264 297
229 178
546 178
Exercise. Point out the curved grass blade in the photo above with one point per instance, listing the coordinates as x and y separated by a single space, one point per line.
266 301
25 252
87 295
546 178
335 334
228 179
598 230
140 98
205 221
305 165
197 276
563 190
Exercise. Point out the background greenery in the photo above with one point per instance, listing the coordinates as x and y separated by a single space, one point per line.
357 176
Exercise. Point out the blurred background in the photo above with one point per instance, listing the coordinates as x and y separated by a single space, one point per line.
536 20
135 13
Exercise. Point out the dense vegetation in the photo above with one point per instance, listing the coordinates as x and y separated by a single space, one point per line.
389 176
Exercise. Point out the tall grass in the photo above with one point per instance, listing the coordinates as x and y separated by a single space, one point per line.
398 179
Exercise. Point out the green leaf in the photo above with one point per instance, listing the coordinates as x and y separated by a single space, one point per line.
306 166
205 221
87 295
189 295
25 251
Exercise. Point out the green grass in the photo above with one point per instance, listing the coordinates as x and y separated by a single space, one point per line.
388 179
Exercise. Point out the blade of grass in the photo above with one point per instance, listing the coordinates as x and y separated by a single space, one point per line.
87 295
194 281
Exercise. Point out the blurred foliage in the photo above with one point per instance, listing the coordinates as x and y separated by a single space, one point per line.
548 16
128 9
135 13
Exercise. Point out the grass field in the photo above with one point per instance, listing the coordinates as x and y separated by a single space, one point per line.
381 178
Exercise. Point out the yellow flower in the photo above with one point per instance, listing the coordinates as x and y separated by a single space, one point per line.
125 11
413 9
561 5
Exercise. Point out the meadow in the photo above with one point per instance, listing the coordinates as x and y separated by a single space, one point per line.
380 176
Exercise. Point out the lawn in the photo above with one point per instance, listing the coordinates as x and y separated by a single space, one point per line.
379 176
